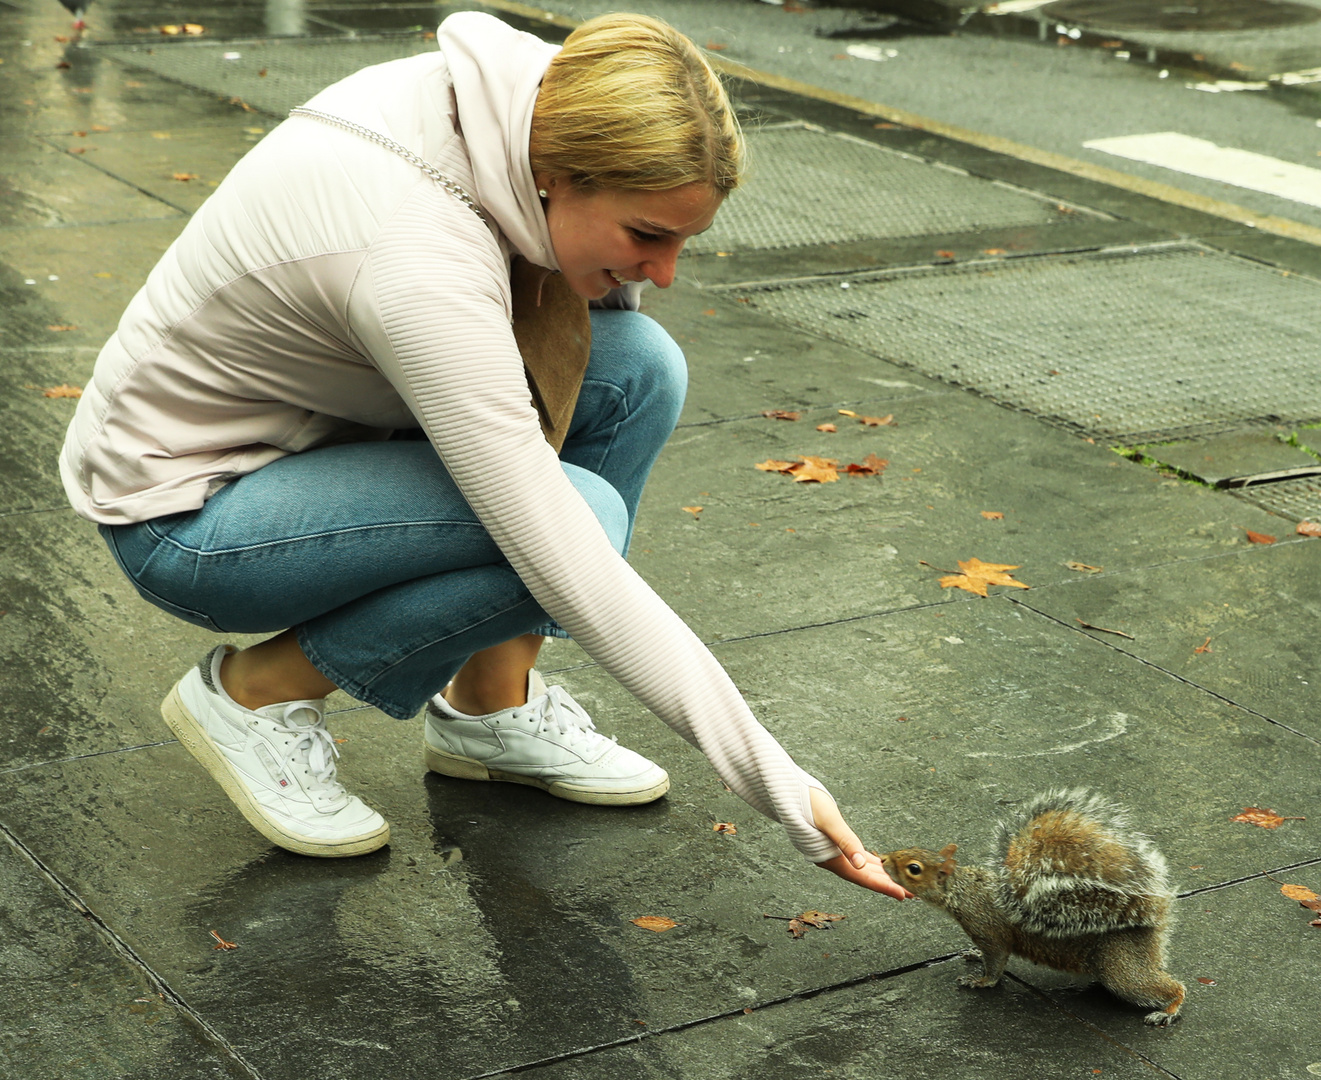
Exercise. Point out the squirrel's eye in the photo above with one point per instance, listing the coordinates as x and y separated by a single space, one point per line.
914 868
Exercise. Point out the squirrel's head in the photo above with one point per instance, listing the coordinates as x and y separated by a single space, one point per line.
921 871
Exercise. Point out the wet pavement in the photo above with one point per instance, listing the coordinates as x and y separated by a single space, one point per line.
494 935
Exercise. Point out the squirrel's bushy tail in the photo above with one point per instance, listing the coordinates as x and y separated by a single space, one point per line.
1069 863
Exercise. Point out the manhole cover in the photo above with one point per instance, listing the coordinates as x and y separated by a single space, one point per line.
1194 15
1134 345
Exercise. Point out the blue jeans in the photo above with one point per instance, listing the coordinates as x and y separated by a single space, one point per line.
369 551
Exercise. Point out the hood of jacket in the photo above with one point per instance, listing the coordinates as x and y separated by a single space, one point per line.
496 72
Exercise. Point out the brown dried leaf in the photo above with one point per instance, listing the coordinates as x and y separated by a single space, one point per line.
184 177
781 414
815 470
61 328
871 466
993 251
1083 568
826 427
993 515
1259 538
694 510
977 575
223 944
945 254
63 390
657 923
726 827
847 412
1308 528
771 465
1266 819
876 421
1204 647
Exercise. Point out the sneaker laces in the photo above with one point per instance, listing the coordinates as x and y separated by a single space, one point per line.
313 744
556 709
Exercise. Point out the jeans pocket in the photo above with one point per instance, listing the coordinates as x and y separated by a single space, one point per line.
142 541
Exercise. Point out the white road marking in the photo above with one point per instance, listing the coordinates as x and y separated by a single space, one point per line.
1198 157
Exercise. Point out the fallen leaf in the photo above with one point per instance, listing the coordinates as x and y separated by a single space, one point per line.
1083 568
184 177
1300 893
223 944
63 390
709 311
99 127
1259 538
781 414
261 74
993 515
1266 819
993 251
808 920
1308 528
804 470
871 466
875 421
945 254
826 427
183 29
694 510
658 923
847 412
80 134
726 827
61 38
63 65
814 470
1204 647
1205 981
61 328
77 149
977 575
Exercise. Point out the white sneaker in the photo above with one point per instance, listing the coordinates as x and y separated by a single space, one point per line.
277 764
550 743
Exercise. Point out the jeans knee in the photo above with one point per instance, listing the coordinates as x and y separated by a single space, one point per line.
651 366
606 503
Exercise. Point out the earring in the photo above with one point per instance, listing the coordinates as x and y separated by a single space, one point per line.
543 193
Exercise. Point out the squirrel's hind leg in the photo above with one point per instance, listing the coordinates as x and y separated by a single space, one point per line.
1130 964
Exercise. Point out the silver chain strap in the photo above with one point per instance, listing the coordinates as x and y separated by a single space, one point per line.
408 155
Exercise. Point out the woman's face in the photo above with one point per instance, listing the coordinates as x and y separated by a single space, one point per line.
605 238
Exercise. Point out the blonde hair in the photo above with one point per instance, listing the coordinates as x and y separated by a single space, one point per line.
631 103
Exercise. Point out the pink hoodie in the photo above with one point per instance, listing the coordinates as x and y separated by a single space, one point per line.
330 291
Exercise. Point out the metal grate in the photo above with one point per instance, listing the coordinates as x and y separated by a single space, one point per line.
1134 345
1298 500
808 186
271 76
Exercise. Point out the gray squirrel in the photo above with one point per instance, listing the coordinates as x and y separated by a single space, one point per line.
1072 887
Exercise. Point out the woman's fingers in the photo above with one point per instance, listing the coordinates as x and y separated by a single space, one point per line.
856 864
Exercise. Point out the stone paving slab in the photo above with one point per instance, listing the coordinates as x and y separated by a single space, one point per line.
86 661
72 1010
491 895
41 184
1259 607
910 1025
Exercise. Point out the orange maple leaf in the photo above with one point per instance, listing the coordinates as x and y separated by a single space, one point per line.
726 827
1266 819
871 466
772 465
977 575
1259 538
826 427
63 390
993 515
781 414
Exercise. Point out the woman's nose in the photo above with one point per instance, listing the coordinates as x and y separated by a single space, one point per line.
660 270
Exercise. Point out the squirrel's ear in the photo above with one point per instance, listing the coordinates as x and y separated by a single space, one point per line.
947 855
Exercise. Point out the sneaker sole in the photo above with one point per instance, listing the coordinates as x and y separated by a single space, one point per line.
466 768
198 743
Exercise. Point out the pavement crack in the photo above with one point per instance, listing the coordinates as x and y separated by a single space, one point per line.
1166 671
702 1021
127 953
84 757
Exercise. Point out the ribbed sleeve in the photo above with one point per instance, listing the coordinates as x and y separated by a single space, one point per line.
432 307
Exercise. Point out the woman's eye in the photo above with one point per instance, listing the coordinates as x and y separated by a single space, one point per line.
645 237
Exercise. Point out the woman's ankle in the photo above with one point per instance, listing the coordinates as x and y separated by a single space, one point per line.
272 672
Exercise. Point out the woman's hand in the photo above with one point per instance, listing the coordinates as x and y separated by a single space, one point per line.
857 864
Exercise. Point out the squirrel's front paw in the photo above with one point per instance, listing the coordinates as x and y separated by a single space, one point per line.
977 981
1161 1019
972 956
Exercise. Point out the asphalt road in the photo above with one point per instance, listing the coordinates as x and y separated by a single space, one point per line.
1041 95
